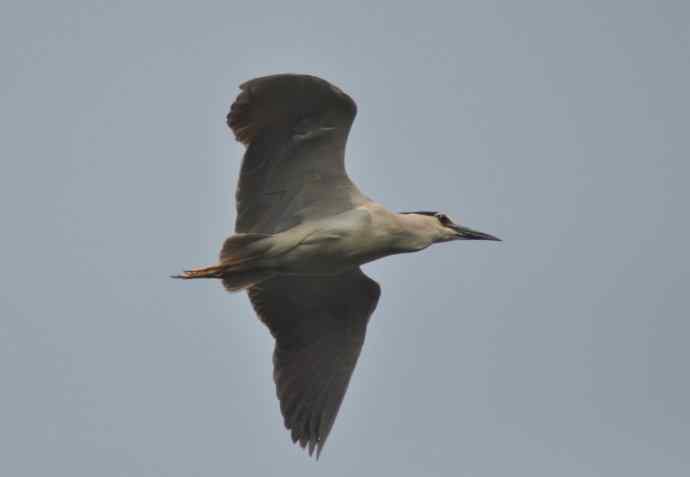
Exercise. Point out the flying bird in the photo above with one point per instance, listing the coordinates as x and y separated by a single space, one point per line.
303 230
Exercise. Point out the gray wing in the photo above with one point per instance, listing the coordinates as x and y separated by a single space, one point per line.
319 327
295 128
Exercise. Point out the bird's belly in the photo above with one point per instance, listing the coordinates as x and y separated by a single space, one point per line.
332 252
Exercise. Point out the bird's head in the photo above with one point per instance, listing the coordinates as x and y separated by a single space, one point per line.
441 228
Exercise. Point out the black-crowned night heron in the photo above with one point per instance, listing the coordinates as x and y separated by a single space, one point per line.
303 229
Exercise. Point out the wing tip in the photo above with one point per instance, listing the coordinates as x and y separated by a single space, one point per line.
311 443
239 118
280 97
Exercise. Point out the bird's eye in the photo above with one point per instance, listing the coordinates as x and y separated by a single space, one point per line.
443 219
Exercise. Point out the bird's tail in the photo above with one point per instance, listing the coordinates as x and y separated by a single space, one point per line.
240 265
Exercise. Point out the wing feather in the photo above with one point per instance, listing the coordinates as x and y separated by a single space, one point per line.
295 128
281 101
319 325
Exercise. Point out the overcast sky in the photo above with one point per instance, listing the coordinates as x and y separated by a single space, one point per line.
561 127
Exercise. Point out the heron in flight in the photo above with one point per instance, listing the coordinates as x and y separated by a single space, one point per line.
303 230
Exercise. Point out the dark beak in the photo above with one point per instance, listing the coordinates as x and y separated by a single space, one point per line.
465 233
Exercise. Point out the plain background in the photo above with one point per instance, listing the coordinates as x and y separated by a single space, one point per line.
561 127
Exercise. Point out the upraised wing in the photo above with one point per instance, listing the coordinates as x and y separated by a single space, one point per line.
295 128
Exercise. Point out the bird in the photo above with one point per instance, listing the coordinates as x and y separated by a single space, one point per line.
302 232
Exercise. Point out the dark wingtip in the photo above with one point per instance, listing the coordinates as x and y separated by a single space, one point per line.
282 99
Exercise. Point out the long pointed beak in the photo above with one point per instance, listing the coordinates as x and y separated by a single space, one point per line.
465 233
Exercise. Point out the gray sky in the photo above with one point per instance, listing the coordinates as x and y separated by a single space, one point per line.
561 127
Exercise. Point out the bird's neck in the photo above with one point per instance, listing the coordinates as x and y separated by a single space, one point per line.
413 232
